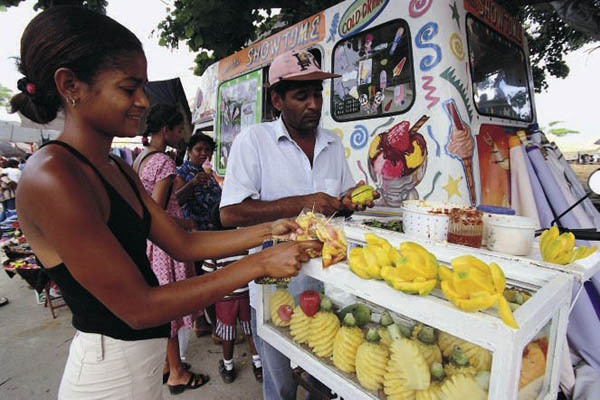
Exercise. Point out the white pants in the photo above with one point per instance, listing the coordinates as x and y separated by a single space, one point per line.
100 367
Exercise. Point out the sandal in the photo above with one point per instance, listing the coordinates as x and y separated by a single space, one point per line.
258 373
196 380
3 301
186 366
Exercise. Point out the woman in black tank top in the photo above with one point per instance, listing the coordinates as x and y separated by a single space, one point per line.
86 215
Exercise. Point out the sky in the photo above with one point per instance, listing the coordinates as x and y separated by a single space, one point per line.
572 100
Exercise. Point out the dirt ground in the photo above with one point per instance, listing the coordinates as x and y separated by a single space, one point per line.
34 347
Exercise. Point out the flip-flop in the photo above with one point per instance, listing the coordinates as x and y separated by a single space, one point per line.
186 366
3 301
196 381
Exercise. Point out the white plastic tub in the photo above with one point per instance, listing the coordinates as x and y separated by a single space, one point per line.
427 219
511 234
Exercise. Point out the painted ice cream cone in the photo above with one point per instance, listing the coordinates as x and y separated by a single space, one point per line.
461 145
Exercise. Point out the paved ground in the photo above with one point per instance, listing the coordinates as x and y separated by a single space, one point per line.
33 350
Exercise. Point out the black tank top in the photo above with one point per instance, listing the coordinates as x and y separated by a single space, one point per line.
89 314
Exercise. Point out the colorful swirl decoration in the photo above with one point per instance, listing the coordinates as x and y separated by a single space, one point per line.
456 46
417 8
359 137
425 34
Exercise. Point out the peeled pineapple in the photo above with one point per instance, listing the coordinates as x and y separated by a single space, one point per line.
371 361
279 298
346 343
395 388
300 326
434 392
426 339
386 340
479 358
385 320
324 325
407 362
462 387
459 363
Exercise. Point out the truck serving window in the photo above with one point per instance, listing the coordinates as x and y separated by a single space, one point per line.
238 106
499 73
377 73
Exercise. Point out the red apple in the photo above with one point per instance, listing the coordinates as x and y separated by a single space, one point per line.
285 312
309 302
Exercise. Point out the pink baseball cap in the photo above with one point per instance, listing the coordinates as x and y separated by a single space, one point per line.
296 65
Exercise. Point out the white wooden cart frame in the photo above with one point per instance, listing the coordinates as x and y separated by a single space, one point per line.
550 303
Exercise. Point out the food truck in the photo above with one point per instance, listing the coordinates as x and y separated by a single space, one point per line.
430 98
427 99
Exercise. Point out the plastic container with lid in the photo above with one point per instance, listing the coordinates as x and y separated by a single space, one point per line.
488 212
511 234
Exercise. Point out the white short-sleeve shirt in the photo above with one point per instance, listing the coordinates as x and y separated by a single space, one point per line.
265 163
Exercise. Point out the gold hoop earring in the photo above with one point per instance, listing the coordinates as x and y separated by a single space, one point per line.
72 101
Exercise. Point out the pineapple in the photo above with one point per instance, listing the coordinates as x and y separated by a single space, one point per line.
479 358
324 326
434 391
386 340
426 339
346 343
462 387
385 320
300 326
279 298
407 362
371 360
459 363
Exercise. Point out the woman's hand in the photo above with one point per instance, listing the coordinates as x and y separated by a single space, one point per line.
201 179
284 260
284 227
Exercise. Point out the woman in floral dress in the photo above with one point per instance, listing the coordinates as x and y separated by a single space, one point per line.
157 171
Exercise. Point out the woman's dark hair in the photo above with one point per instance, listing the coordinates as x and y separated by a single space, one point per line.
72 37
159 116
200 137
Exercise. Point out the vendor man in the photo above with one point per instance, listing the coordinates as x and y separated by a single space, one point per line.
276 169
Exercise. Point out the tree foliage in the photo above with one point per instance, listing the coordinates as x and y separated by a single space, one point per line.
556 130
96 5
5 95
216 29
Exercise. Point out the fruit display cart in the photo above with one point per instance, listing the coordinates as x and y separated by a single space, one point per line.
524 363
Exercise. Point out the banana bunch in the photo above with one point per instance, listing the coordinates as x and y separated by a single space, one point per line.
415 272
473 285
560 249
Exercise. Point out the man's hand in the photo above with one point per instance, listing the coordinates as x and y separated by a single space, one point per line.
284 260
347 203
324 203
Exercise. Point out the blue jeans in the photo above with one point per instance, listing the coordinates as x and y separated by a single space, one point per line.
278 378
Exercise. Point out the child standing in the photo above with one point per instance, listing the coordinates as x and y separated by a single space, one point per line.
232 308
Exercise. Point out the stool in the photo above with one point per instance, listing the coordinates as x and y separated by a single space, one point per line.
49 300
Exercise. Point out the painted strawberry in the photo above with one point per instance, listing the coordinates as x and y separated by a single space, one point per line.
285 312
309 302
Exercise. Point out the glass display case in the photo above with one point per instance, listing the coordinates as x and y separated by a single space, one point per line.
522 363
